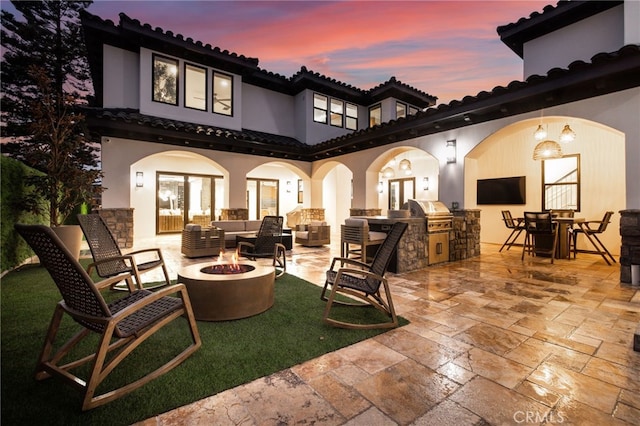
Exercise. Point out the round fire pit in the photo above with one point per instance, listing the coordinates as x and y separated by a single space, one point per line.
228 292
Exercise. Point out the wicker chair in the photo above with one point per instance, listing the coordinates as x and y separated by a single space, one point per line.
267 244
109 261
198 242
122 324
313 234
362 281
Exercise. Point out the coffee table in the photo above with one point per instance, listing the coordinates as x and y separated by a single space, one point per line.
221 297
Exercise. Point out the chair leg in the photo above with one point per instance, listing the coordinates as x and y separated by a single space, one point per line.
509 242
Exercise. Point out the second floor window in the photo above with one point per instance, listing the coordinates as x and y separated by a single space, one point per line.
165 80
375 115
352 117
320 106
195 87
337 112
222 93
401 110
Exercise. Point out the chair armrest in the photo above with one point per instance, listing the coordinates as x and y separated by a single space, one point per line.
242 244
125 259
149 250
116 279
349 261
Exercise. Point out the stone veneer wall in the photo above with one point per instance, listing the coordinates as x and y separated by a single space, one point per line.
465 237
365 212
311 214
630 248
234 214
413 247
120 223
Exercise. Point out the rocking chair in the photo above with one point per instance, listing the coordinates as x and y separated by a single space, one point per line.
109 261
267 245
122 324
362 281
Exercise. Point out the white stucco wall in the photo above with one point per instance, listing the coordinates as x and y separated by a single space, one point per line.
119 90
604 32
268 111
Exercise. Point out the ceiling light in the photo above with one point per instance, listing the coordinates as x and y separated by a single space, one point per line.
567 135
388 172
546 150
540 133
405 164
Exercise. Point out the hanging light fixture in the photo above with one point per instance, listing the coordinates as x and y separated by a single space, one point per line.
388 172
405 164
546 150
540 133
567 134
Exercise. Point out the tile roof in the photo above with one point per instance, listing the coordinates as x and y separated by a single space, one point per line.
552 18
131 34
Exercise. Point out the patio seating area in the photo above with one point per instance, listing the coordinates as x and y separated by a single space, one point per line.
490 338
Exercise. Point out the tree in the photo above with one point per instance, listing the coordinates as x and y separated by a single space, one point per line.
45 82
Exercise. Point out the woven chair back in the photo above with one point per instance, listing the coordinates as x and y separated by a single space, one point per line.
76 287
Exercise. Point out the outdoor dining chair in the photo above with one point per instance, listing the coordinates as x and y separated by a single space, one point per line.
267 244
541 234
362 282
592 235
108 260
122 324
514 225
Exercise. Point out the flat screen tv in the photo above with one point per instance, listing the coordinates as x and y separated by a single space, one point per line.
511 190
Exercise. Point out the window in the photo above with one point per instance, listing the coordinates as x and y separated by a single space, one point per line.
401 110
262 197
222 93
400 190
352 117
337 112
561 183
195 87
375 115
413 110
320 108
165 80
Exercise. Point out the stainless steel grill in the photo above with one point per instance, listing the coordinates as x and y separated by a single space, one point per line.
438 216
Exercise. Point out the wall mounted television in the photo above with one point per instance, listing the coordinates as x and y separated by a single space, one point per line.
510 190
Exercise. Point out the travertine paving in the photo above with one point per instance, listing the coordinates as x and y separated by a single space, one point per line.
492 340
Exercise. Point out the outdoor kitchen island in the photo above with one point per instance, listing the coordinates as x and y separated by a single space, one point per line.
451 236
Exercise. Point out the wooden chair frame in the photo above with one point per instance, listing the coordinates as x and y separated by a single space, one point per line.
108 260
515 225
122 325
268 244
361 282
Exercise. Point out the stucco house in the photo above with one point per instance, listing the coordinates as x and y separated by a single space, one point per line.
190 132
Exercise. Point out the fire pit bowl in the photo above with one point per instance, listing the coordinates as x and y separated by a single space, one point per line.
219 294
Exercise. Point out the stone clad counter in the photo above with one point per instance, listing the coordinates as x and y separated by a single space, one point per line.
413 249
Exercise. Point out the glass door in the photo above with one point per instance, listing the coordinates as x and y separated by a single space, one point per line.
400 190
262 198
183 199
170 202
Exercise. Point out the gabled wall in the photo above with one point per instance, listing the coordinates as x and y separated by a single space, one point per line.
121 87
603 32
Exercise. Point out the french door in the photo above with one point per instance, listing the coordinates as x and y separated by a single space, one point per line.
262 197
400 190
183 199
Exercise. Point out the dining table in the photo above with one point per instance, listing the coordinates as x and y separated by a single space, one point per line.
565 225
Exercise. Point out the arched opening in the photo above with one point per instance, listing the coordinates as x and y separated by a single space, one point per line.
509 153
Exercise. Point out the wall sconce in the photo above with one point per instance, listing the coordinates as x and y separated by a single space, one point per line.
288 186
139 179
451 151
425 183
380 187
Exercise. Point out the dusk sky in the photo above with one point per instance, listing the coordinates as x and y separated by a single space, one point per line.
447 49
